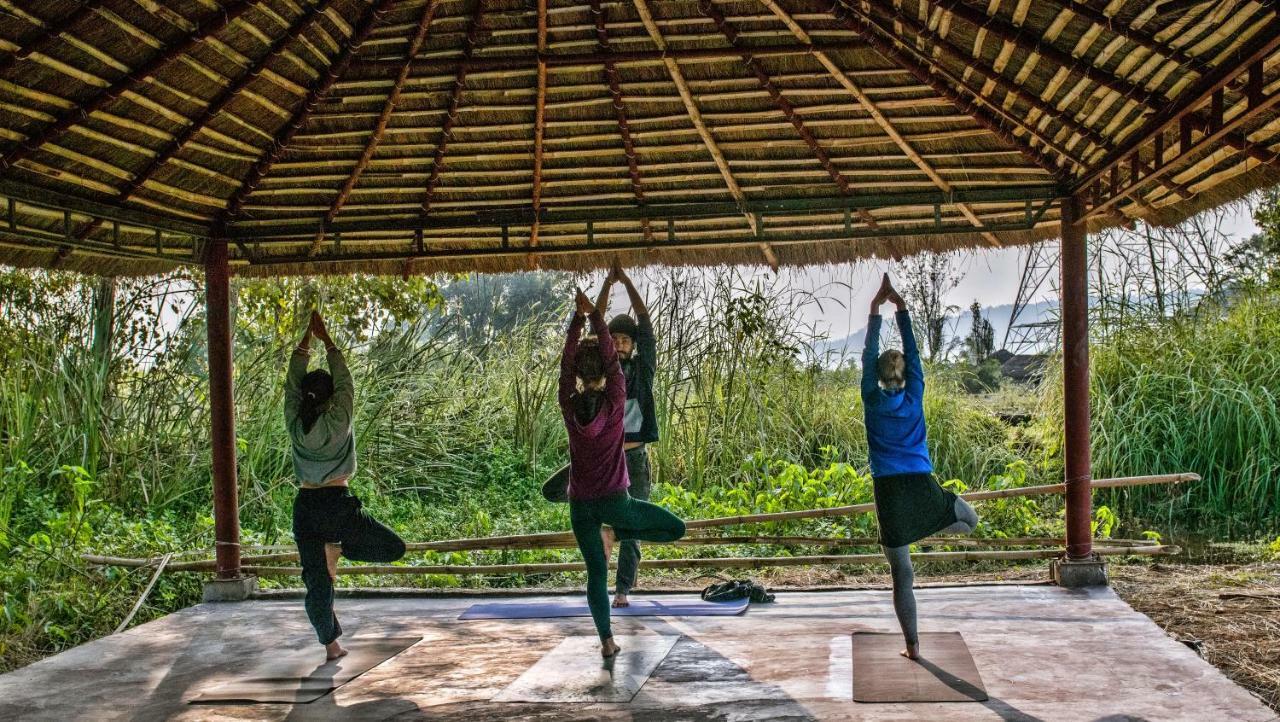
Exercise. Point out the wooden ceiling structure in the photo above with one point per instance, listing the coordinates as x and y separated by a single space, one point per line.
271 137
416 136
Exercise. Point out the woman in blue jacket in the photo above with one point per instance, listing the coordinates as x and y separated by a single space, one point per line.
910 504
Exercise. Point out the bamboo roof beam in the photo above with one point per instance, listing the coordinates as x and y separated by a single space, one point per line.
49 34
695 116
428 67
1135 35
881 120
455 100
284 136
614 81
926 68
421 31
539 124
868 24
1010 33
81 111
211 111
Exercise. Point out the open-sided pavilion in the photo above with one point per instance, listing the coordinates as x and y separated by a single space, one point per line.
271 137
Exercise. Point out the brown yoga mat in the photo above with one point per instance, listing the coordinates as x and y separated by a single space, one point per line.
944 673
296 676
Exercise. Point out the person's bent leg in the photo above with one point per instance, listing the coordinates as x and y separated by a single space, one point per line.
365 539
966 519
586 529
629 550
556 488
904 598
635 519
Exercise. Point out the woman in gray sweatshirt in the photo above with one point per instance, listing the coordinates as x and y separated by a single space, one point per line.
328 521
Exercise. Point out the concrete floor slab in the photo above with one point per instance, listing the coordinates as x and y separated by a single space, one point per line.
1043 653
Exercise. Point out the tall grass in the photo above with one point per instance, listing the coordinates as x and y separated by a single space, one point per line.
1193 393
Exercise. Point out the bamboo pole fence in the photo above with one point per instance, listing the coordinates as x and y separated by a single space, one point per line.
264 564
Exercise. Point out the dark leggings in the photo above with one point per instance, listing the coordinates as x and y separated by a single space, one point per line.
630 519
333 515
904 598
556 489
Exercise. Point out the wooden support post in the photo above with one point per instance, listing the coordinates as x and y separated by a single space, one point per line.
226 512
1075 385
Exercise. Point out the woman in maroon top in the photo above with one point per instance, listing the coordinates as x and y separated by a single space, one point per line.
593 396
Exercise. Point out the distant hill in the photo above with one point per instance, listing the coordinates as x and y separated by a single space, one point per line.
850 347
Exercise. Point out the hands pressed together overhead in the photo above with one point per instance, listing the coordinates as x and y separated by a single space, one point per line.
316 328
887 293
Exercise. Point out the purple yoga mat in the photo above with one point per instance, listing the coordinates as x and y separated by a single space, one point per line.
578 608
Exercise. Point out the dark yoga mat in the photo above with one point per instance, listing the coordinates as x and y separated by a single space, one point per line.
638 608
295 676
945 671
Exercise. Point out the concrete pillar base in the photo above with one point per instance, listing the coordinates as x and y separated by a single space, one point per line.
1074 573
230 590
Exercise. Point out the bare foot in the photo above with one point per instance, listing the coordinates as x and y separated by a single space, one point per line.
912 651
331 554
620 600
609 648
334 650
608 537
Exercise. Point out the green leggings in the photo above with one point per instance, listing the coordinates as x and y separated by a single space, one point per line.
630 519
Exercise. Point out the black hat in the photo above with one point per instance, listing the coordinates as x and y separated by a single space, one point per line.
622 323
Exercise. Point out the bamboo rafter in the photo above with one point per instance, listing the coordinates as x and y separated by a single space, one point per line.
880 118
49 34
455 100
867 26
215 24
614 81
384 116
213 109
1007 32
539 121
695 116
318 90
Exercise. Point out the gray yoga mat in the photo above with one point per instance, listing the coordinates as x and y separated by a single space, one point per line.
295 676
945 671
578 608
573 671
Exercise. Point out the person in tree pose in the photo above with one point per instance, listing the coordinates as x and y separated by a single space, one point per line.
638 355
328 521
592 398
910 504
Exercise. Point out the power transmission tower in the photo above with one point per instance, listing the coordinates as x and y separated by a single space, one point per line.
1039 267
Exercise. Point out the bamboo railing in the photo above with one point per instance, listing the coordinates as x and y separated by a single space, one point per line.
266 564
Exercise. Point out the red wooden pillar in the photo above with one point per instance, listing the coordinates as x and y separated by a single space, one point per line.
226 511
1075 380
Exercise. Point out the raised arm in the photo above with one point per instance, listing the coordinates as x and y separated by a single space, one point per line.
602 301
870 354
637 302
293 376
616 383
342 408
568 372
914 370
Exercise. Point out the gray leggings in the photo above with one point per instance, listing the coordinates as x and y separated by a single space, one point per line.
904 600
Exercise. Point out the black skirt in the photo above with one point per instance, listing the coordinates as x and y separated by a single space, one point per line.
910 507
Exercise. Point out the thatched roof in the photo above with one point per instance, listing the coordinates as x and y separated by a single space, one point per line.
413 136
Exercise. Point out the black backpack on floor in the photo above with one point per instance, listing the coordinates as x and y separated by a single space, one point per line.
729 589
